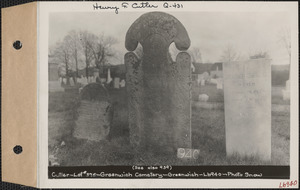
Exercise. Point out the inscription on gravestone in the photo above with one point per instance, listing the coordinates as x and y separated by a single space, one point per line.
247 95
158 88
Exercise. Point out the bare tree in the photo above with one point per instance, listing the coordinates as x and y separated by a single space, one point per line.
229 54
87 39
62 53
196 55
102 48
73 42
285 40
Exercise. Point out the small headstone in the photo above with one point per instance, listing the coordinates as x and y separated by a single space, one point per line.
102 80
202 82
96 73
84 81
287 85
109 79
203 97
199 79
219 86
122 83
72 82
247 96
286 92
94 113
219 83
93 79
79 80
213 81
116 82
89 79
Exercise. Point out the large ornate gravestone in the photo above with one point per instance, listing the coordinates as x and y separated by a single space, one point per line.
158 88
247 95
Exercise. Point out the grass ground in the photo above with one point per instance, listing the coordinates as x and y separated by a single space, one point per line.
208 135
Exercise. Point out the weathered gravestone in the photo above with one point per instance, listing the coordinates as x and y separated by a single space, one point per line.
219 83
158 88
96 75
94 113
203 97
247 91
72 83
116 82
84 80
286 91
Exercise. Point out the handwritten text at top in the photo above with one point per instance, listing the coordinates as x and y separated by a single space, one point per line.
137 5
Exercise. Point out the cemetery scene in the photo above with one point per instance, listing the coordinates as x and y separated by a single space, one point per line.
151 97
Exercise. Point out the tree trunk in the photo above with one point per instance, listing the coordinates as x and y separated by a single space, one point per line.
67 71
76 61
87 64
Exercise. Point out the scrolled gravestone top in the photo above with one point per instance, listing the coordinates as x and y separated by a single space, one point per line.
157 23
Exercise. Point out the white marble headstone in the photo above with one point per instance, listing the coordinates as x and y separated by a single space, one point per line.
71 82
247 95
84 81
203 82
286 91
219 83
116 82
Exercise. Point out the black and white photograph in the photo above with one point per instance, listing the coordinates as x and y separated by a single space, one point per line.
168 88
150 94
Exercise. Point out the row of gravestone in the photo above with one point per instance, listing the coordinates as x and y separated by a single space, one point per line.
159 93
117 83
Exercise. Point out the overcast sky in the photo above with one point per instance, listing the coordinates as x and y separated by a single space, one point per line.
211 32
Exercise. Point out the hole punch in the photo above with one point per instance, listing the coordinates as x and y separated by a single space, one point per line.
17 45
18 149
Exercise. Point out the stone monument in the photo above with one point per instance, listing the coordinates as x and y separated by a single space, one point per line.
159 90
116 82
247 96
286 92
95 113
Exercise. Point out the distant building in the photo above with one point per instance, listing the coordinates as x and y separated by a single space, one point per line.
199 68
216 70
